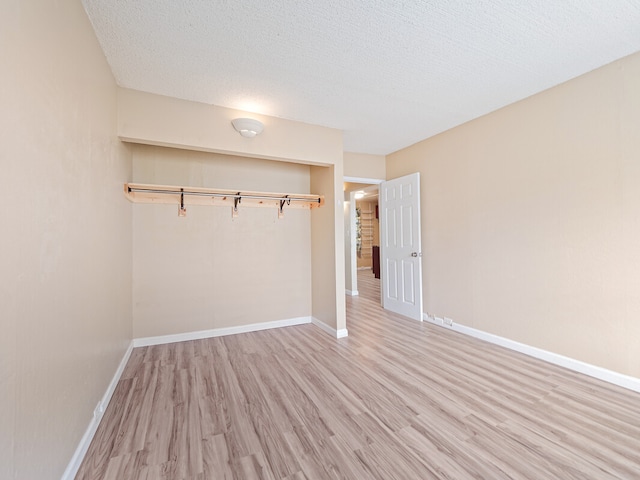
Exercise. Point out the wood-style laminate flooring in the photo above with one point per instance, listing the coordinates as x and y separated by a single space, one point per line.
369 286
396 399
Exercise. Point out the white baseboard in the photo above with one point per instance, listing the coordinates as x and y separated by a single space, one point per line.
83 446
343 332
218 332
352 293
619 379
330 330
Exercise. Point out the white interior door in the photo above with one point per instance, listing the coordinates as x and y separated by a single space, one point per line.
401 261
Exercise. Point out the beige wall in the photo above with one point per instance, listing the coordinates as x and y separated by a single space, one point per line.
364 165
157 120
531 219
349 187
208 270
327 244
65 281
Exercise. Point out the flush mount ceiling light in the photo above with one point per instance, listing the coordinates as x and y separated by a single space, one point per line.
247 127
359 195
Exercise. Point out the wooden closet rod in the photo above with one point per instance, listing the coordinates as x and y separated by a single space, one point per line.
182 196
316 198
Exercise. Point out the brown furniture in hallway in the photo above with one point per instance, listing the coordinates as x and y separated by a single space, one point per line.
376 261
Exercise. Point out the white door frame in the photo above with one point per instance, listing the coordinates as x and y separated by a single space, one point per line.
351 261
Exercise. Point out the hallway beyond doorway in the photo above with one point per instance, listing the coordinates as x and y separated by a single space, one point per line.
368 285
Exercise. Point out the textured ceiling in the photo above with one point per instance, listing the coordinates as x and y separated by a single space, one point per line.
386 73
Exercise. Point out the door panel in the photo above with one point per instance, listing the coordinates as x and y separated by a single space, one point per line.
408 283
407 219
400 248
392 284
391 232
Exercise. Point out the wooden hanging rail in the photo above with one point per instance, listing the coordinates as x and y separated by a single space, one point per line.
182 196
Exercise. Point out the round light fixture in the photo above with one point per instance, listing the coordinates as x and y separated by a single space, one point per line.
247 127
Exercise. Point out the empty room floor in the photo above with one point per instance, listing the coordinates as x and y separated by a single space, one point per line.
396 399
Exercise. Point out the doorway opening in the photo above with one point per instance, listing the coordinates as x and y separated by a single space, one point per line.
362 233
398 234
368 243
369 286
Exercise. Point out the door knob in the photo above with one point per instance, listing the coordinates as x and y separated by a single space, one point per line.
416 254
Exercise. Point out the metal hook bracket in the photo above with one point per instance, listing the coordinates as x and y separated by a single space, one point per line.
182 211
284 200
236 201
